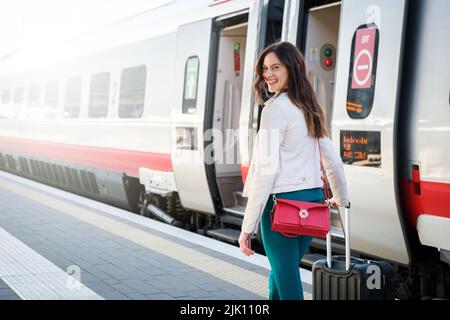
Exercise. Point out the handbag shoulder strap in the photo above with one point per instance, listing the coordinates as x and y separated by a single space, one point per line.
324 179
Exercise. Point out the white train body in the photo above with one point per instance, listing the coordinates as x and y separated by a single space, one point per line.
131 119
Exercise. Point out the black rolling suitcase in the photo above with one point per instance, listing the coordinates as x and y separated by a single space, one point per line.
346 278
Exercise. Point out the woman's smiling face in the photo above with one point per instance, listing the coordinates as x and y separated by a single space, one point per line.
275 73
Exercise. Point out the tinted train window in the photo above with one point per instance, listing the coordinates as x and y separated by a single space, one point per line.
274 21
51 94
18 95
132 92
5 96
33 95
73 98
190 84
363 71
99 95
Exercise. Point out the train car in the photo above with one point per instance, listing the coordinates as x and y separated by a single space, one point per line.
156 114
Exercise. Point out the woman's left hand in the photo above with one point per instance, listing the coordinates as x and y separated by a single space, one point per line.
245 243
332 203
335 204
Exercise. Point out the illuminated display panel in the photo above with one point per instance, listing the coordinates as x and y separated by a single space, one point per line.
361 148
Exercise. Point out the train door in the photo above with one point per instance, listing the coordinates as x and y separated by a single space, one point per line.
366 95
191 72
349 46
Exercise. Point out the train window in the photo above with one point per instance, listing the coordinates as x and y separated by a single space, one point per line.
132 92
190 84
33 95
5 96
51 94
274 25
18 95
99 95
73 98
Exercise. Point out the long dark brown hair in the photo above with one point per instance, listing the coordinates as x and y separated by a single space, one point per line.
299 89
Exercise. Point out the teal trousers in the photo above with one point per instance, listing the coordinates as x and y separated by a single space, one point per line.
285 253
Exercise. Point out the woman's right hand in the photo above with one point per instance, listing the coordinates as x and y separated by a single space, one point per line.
245 243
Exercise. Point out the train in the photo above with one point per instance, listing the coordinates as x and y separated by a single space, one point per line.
156 114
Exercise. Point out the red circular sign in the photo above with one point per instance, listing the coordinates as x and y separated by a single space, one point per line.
363 67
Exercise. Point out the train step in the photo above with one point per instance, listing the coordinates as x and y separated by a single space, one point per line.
225 234
236 210
239 200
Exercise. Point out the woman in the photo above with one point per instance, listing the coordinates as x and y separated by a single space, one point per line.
286 162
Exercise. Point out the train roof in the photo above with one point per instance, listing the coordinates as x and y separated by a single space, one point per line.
151 23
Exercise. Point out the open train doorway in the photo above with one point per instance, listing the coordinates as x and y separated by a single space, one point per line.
319 39
237 40
231 39
315 31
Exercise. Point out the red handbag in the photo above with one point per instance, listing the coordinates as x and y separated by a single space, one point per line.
293 218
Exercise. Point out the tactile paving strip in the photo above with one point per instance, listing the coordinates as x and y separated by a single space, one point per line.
32 277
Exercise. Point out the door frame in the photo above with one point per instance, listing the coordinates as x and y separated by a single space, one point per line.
218 24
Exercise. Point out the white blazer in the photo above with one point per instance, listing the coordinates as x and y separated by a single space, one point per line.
285 158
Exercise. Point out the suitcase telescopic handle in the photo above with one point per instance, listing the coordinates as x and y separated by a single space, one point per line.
347 241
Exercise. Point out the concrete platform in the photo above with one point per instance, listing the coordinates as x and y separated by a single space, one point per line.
56 245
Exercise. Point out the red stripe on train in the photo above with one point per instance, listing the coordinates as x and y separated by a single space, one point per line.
433 199
117 160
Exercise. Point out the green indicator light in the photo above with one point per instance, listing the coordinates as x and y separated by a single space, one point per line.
328 52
